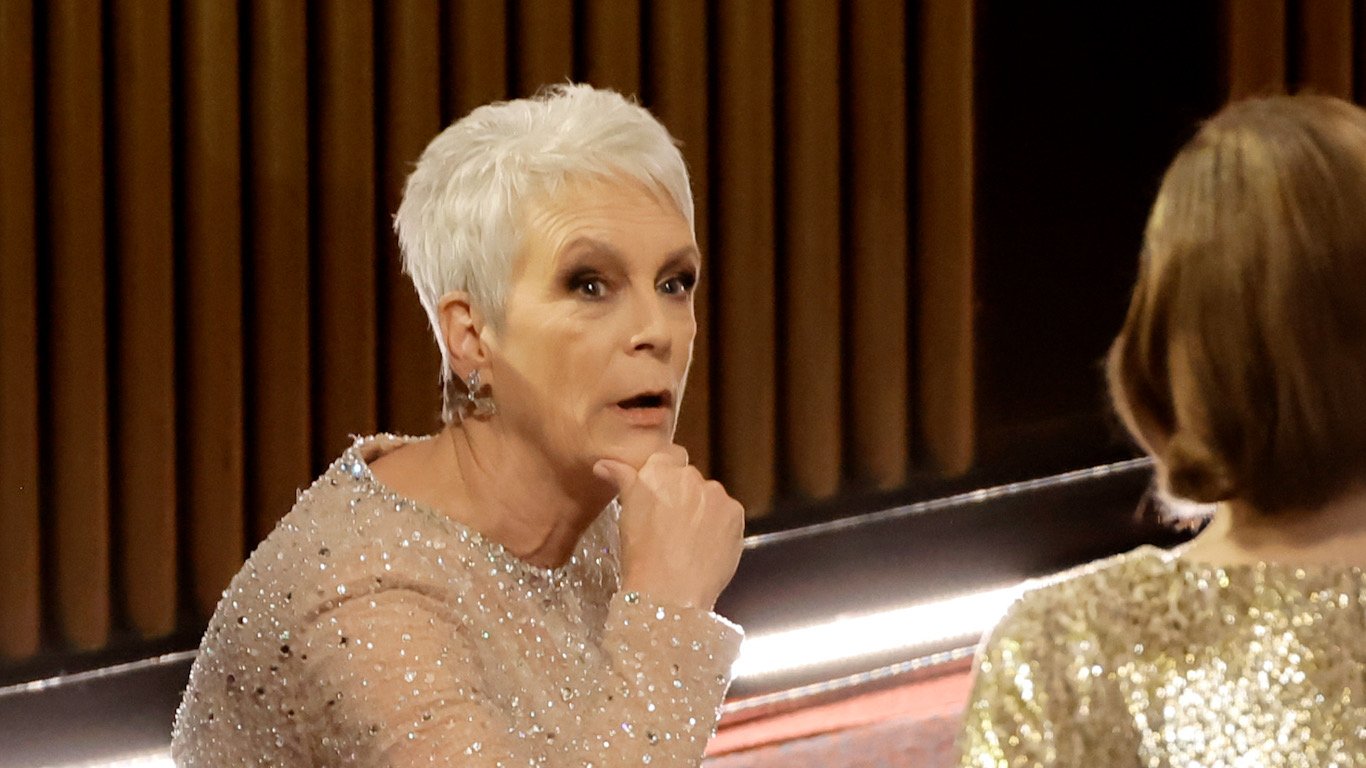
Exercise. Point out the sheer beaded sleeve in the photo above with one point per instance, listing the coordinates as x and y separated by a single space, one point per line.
369 631
404 683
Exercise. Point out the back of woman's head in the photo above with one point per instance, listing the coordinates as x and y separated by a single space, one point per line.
1241 365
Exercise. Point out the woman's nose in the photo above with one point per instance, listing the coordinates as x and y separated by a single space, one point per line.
650 326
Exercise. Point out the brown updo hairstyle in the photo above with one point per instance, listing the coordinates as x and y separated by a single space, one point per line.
1241 366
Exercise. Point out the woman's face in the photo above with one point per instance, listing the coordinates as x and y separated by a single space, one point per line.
592 356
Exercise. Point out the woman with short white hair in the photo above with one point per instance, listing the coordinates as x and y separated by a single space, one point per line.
533 584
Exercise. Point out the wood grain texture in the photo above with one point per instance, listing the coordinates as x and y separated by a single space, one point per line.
1326 47
544 43
677 84
20 548
743 258
1255 47
611 49
276 203
143 253
211 356
476 55
878 243
945 242
810 240
410 100
343 204
77 478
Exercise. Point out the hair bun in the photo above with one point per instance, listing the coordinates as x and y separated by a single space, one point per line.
1193 471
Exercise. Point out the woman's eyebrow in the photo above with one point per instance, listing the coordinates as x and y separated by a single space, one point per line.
590 246
681 258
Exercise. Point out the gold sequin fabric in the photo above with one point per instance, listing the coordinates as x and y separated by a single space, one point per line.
1150 660
369 631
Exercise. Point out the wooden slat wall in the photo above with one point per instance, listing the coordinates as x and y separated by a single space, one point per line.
409 66
544 33
278 301
19 322
225 173
1294 45
474 55
1326 46
945 236
343 203
142 252
210 354
676 84
75 495
809 194
743 237
877 246
1256 47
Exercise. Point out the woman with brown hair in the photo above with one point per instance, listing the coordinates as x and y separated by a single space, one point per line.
1241 369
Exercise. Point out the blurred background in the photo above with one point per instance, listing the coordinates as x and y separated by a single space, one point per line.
921 222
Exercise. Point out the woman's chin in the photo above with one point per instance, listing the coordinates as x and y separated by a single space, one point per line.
637 450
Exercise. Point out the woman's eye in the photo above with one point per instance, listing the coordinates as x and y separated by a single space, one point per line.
592 287
679 284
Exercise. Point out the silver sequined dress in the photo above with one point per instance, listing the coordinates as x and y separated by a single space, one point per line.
1150 660
368 631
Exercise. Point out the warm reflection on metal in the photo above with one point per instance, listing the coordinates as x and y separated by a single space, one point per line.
97 674
914 631
765 705
935 505
156 758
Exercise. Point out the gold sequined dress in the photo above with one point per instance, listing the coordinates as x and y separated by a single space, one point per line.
369 631
1150 660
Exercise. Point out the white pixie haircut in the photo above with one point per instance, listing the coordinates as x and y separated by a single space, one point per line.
460 220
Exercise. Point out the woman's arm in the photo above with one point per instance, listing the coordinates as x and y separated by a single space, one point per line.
398 684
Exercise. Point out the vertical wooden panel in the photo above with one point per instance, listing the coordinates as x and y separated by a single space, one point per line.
344 201
945 229
611 44
876 203
678 37
1359 58
19 530
276 205
1255 45
545 44
1326 47
211 308
476 36
744 242
811 246
411 106
144 376
78 493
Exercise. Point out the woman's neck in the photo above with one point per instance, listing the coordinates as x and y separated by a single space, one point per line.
504 489
1334 534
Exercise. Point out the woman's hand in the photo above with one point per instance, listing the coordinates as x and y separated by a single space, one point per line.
681 534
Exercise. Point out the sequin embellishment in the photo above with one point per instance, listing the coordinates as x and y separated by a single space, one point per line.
366 630
1153 661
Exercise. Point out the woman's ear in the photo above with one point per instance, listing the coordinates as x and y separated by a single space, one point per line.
462 329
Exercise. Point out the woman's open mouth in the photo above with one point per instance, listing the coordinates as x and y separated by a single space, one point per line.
647 409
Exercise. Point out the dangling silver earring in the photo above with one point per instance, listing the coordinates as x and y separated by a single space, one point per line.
477 399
